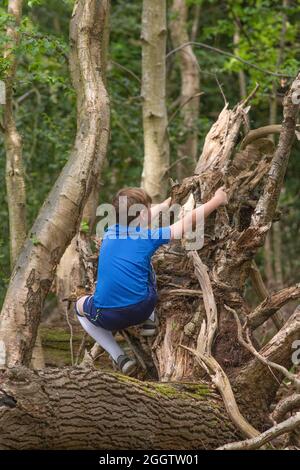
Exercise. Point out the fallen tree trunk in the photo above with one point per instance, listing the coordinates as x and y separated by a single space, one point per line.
87 409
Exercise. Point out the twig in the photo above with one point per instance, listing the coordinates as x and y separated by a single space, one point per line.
182 105
228 54
23 97
134 349
126 70
248 345
256 442
251 95
71 332
175 163
81 347
221 90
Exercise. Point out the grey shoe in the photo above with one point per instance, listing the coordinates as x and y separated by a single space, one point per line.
148 328
126 365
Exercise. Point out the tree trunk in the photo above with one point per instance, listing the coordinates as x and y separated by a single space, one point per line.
268 259
60 215
15 179
277 255
232 238
190 87
74 267
88 409
155 121
275 277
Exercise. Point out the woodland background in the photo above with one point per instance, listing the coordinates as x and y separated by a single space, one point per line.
46 110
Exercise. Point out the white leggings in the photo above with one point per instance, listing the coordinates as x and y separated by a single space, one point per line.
103 337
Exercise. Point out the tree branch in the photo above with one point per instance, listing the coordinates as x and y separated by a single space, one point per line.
228 54
262 291
286 405
271 304
256 442
261 132
248 345
267 203
220 380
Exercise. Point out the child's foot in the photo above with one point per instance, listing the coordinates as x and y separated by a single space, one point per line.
148 328
126 365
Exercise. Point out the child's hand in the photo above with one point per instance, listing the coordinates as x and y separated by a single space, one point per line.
221 196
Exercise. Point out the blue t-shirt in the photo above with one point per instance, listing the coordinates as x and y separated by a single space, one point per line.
124 264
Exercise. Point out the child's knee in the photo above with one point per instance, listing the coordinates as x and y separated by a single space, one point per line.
80 302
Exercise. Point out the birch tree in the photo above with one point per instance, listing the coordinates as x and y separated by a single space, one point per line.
60 215
15 179
155 121
190 88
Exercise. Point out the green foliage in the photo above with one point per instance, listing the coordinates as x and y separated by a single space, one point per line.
84 226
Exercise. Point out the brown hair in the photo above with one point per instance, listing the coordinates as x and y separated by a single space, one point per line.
134 196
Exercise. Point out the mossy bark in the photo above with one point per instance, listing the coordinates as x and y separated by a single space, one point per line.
73 408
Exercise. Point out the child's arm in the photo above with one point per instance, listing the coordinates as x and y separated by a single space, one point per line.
162 207
186 223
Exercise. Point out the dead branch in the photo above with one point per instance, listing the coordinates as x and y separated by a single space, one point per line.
209 303
81 348
260 132
220 380
228 54
248 345
267 203
188 292
271 304
286 405
256 442
262 292
134 349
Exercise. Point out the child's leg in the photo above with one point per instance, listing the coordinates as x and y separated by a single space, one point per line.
103 337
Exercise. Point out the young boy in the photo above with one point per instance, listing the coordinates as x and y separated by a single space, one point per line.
126 292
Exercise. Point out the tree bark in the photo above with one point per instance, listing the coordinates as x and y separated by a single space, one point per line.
15 178
49 410
60 215
74 267
155 121
276 232
189 95
268 260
